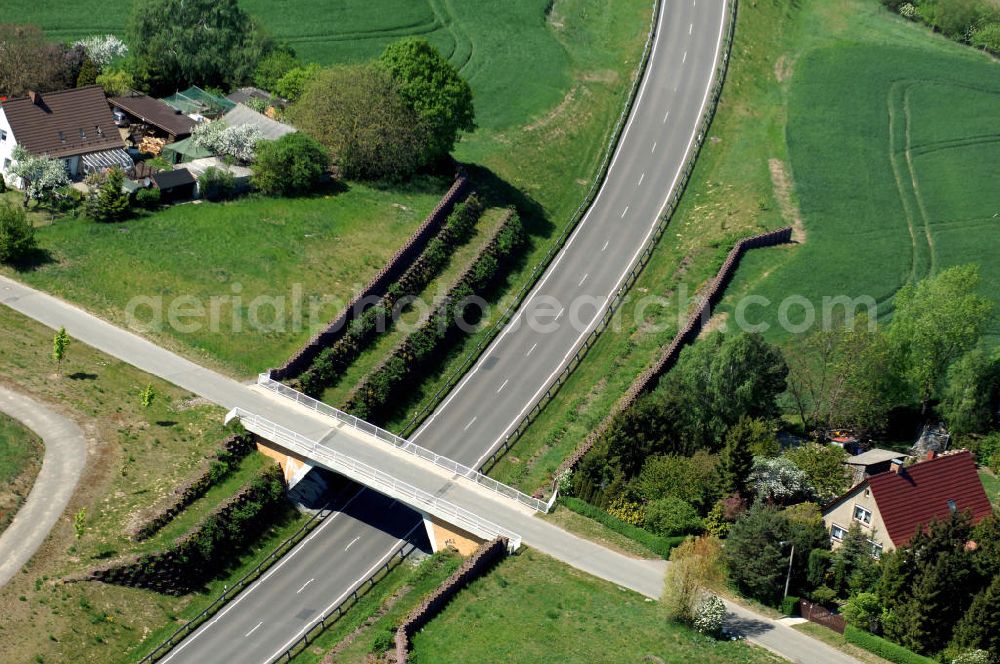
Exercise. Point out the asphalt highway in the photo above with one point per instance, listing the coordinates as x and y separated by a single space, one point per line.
521 363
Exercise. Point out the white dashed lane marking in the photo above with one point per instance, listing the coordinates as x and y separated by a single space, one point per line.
469 424
304 586
254 629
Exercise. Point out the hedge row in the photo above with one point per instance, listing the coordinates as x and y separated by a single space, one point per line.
227 459
648 378
420 350
475 566
363 330
396 265
210 548
661 546
884 649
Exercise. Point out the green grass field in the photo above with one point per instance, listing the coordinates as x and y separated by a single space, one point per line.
492 44
323 247
20 460
895 170
778 47
531 608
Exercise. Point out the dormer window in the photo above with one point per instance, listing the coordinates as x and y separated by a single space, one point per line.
952 506
62 137
100 132
83 134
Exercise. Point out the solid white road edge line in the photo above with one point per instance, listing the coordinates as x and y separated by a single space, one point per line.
680 168
364 577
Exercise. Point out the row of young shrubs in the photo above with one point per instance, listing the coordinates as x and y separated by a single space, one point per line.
211 547
410 360
661 546
883 648
365 329
233 450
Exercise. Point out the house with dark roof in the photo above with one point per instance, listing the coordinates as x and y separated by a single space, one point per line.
892 506
75 126
147 114
871 462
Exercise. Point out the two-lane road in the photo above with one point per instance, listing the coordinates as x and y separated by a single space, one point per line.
518 367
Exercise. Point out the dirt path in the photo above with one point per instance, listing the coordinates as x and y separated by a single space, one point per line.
782 183
65 456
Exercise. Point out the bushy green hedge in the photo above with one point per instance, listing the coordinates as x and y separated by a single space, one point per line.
661 546
212 546
884 649
410 360
363 330
790 605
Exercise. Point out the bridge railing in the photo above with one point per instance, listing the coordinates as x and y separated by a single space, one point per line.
265 381
373 477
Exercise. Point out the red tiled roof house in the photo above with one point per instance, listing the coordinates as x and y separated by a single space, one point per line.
73 125
890 507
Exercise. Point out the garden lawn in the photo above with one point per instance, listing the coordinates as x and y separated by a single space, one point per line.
991 484
136 458
316 250
531 608
20 460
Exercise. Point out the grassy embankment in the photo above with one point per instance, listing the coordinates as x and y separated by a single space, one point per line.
531 608
20 460
136 458
750 177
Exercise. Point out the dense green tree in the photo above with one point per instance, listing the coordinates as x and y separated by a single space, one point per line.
980 626
671 516
17 234
434 89
110 202
177 43
927 585
291 165
970 395
736 458
934 323
755 557
292 84
278 62
358 113
723 379
853 568
88 73
693 479
824 468
842 377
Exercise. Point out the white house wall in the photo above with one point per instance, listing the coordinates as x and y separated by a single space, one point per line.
6 146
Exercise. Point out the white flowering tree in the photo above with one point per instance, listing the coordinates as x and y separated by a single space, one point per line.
710 615
238 142
778 480
102 49
40 175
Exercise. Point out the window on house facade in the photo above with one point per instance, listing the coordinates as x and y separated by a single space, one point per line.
876 549
3 135
838 533
862 515
6 164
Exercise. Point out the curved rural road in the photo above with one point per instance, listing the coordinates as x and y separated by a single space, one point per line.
65 456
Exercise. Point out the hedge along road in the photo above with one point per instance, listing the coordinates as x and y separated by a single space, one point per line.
519 365
65 456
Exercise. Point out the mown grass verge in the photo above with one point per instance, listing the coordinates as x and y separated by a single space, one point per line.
884 649
21 454
532 608
373 620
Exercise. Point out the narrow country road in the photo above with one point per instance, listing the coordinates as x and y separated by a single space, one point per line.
65 456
